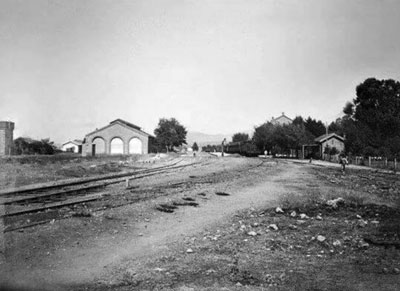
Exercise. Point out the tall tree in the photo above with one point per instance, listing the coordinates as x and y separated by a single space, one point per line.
195 147
170 133
281 138
238 137
262 136
373 119
298 120
315 127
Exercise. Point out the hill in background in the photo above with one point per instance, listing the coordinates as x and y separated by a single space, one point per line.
203 139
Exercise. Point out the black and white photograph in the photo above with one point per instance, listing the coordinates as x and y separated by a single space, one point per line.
199 145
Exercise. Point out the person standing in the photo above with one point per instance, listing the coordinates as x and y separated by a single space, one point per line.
343 161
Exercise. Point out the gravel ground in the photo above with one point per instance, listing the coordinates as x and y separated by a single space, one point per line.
236 241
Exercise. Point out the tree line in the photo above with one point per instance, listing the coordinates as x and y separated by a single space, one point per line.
370 125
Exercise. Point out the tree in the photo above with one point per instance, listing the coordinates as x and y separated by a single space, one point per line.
262 137
280 139
170 133
195 147
238 137
316 128
372 121
298 120
29 146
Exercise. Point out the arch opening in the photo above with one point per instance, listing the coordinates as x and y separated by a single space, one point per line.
135 146
117 146
99 146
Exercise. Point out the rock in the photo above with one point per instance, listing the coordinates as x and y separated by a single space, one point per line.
358 216
299 222
396 270
303 216
385 270
255 224
291 226
252 233
189 251
210 271
130 272
374 221
362 223
363 245
321 238
337 243
238 284
273 226
293 214
158 269
318 217
347 238
279 210
334 203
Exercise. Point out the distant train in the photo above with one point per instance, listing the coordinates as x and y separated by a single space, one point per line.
244 148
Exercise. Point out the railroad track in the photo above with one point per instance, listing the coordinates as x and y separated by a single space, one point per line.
50 196
20 203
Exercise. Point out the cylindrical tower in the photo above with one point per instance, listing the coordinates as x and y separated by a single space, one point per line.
6 137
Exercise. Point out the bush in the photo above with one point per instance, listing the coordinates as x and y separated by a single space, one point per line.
28 146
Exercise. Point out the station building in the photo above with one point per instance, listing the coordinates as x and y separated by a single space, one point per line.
118 137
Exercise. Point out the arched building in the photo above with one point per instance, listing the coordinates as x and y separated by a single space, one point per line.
119 137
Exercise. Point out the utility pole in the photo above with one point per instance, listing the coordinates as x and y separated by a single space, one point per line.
223 144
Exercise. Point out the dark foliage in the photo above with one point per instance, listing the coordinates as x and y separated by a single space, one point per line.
277 139
28 146
238 137
372 122
315 127
170 133
195 147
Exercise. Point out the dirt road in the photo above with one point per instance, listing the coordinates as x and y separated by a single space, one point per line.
85 250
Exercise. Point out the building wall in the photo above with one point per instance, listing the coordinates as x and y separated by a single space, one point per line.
282 120
333 142
116 131
6 137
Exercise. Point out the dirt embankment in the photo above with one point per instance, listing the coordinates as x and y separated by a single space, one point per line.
71 249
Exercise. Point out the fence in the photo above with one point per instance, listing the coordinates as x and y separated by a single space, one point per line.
375 162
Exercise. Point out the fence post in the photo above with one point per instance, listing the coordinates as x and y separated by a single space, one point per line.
369 161
395 164
386 162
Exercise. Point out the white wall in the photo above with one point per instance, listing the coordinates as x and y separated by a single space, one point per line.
70 145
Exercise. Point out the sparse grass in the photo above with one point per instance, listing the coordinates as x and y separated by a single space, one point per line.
298 201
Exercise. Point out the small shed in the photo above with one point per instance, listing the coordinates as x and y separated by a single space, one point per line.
73 146
331 140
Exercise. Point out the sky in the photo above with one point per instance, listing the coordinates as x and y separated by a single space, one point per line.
218 66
